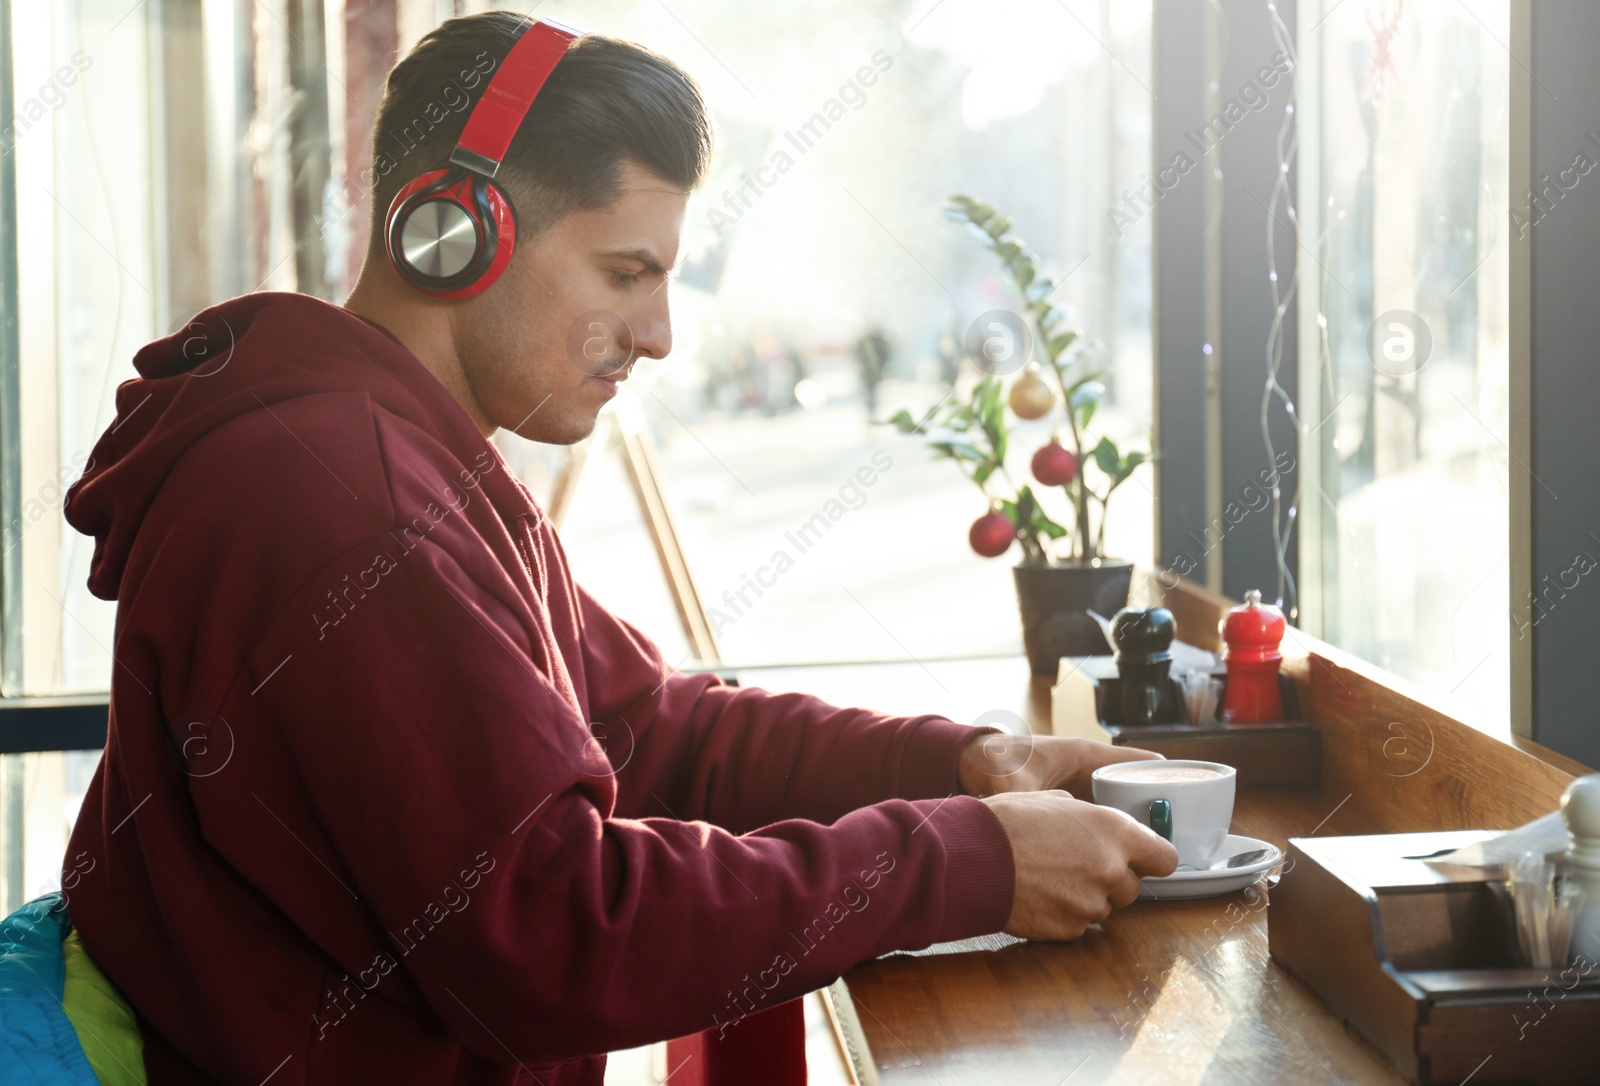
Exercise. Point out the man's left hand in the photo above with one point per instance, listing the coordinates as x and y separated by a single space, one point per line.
997 762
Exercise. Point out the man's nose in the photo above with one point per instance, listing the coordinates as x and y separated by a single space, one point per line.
651 326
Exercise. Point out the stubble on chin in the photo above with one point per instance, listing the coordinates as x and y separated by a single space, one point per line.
529 391
553 423
567 435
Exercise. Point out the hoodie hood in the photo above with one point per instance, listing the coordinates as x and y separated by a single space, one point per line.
243 355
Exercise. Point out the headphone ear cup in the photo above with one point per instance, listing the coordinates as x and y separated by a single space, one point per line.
450 233
416 192
502 215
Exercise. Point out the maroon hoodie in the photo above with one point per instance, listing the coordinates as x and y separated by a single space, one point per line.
388 798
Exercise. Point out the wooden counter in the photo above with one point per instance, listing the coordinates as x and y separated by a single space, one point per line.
1163 992
1172 993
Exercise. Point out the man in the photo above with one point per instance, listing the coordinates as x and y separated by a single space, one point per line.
387 797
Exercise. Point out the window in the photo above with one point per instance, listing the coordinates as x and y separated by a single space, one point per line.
811 234
78 150
152 157
1405 309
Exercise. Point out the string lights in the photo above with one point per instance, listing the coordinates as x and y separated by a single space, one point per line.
1286 142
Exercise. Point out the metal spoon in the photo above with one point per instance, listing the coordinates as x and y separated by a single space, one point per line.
1238 859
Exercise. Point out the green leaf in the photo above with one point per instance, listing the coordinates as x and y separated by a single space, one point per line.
994 429
1093 375
973 210
1031 513
960 450
1027 505
996 225
1083 396
1044 524
981 473
1008 250
902 421
992 417
1057 344
1106 457
986 400
1130 464
1085 392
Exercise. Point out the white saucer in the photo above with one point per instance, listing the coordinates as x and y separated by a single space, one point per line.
1217 880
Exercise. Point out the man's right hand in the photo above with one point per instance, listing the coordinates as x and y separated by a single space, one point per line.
1075 861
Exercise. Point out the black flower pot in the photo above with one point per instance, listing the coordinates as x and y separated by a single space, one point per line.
1055 602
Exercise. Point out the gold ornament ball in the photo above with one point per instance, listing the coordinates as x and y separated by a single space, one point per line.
1031 397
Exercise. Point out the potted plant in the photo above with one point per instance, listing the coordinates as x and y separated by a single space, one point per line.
1063 573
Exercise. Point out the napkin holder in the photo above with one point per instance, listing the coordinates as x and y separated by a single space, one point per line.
1421 961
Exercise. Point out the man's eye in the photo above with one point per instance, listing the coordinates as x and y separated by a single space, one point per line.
623 279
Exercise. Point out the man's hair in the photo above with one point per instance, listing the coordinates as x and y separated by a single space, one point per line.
606 101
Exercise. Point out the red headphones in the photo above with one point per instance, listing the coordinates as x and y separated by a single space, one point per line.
451 232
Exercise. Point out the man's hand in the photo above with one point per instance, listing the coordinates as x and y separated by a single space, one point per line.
995 762
1075 861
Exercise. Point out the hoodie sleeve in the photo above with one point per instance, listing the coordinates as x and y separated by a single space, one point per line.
420 753
743 757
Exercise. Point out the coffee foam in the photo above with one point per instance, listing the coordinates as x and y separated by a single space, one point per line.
1163 774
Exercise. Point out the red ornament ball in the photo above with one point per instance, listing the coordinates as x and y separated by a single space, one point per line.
991 534
1055 465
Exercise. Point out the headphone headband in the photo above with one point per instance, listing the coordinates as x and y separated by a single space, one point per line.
509 95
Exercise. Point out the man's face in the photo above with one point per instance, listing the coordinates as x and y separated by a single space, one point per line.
546 347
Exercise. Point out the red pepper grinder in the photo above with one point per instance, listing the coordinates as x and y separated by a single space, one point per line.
1253 633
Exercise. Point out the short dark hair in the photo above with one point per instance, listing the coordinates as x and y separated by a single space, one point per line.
606 101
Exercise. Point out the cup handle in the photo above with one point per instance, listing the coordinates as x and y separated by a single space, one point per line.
1161 817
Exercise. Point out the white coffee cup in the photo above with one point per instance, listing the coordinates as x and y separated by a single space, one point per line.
1196 797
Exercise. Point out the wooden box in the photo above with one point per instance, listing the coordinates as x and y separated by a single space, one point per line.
1286 753
1422 963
